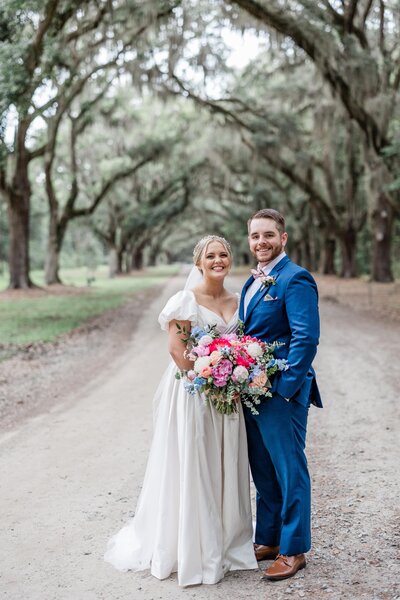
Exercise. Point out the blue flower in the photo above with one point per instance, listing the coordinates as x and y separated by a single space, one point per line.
282 364
198 332
199 381
225 350
189 387
256 371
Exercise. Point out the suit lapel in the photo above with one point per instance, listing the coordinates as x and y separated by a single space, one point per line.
244 290
261 293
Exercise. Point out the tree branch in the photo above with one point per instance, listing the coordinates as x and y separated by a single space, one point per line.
108 185
346 23
303 183
366 12
89 25
350 13
37 44
3 181
308 37
382 27
65 101
209 104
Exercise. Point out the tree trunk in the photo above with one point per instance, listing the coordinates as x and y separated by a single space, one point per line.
348 246
153 255
52 264
327 261
296 253
120 261
113 262
306 253
51 269
382 220
19 196
18 216
137 258
313 251
382 225
128 260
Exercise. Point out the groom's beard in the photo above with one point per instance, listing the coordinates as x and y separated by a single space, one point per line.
270 255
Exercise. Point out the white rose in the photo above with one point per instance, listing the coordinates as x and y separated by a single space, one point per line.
201 363
240 373
254 349
206 340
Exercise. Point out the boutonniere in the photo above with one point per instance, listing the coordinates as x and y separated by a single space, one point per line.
266 280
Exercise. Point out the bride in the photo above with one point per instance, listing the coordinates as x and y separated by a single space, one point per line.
193 515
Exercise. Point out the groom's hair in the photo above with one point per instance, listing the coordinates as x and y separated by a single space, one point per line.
269 213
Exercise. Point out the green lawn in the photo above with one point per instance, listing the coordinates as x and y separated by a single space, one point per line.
43 318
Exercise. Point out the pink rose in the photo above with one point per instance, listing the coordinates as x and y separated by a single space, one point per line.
201 350
221 372
206 340
260 380
206 372
221 381
215 356
232 337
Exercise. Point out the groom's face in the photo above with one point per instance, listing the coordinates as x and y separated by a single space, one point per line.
265 240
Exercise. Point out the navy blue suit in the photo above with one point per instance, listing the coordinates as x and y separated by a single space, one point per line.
277 435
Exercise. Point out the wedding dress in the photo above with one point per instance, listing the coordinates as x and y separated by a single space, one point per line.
193 515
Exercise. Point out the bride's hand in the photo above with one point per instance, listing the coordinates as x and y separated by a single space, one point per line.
177 335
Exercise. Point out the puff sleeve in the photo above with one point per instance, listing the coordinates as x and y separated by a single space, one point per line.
182 307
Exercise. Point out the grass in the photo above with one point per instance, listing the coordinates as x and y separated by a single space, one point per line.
79 277
43 318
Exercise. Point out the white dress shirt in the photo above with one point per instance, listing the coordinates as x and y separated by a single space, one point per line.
255 286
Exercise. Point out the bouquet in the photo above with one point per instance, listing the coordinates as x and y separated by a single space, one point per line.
230 369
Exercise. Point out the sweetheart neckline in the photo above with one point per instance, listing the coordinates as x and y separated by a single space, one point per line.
217 315
213 312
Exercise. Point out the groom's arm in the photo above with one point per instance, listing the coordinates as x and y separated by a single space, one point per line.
301 301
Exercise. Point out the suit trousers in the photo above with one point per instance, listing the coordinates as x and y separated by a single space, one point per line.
276 439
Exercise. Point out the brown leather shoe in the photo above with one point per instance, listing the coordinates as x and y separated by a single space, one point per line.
284 567
265 552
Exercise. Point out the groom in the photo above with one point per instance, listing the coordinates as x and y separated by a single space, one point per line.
282 307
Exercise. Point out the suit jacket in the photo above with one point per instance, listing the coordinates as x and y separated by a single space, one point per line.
288 312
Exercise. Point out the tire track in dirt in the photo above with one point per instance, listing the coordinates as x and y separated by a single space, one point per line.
72 474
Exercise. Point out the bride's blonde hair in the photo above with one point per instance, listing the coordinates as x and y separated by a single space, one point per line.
201 247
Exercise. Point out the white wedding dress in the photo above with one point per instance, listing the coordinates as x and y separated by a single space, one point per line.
194 514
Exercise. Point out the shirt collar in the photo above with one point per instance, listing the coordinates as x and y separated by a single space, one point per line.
268 268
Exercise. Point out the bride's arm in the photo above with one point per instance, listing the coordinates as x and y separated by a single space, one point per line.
176 344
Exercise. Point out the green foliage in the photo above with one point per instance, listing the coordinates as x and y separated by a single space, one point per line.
222 141
44 318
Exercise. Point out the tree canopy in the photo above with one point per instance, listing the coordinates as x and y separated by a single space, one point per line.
148 124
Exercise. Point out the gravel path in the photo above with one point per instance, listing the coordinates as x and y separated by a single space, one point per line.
72 471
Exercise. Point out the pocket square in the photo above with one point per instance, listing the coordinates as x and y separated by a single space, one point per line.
268 298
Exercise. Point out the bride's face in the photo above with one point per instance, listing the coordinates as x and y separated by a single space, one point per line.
215 261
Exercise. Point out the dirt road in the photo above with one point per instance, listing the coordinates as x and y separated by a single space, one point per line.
70 476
